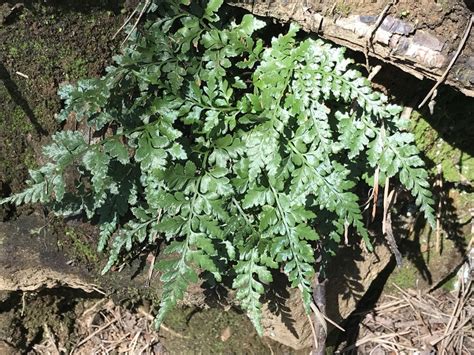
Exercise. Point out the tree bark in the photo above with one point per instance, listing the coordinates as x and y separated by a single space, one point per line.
419 36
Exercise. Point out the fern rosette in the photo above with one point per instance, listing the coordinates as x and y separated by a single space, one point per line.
241 156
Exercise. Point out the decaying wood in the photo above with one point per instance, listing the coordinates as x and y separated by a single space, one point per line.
419 37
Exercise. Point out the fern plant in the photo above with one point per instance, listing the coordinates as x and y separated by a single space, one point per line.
240 155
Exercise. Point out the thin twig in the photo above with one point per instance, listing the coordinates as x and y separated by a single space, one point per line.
162 326
386 203
450 334
374 72
86 339
329 320
375 192
94 306
313 331
430 95
22 75
51 339
145 6
417 313
369 339
23 304
125 23
370 35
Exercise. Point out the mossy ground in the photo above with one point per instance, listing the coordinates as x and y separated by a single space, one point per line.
429 263
204 332
50 44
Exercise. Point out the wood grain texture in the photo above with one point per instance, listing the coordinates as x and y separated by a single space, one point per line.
419 37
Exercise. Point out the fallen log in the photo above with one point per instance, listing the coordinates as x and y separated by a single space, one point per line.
420 37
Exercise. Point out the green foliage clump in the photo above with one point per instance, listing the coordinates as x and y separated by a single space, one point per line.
241 156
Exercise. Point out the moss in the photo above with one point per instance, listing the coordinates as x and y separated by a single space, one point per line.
76 68
19 121
13 52
446 138
404 277
14 128
424 266
343 8
449 284
80 248
202 329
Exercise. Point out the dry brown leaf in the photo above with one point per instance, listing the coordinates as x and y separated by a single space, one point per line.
225 334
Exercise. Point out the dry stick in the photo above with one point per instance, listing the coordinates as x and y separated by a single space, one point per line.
153 254
329 320
373 351
152 266
322 317
313 331
454 313
452 333
125 23
461 342
431 95
98 290
22 75
23 304
319 308
134 342
51 339
388 305
427 308
369 339
462 298
346 233
94 307
107 319
370 35
417 313
466 297
85 340
386 342
387 225
162 326
385 204
374 72
376 192
145 6
270 347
